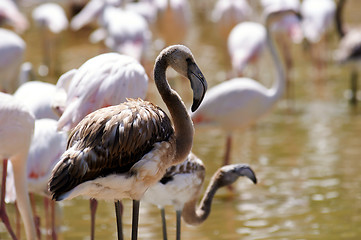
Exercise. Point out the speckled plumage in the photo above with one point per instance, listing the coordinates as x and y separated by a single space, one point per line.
110 141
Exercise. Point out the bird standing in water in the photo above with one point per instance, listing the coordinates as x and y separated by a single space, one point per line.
181 187
120 151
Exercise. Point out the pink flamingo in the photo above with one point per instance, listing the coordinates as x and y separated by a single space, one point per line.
317 19
16 130
118 35
104 80
45 150
10 13
12 50
51 20
240 102
228 13
245 44
38 97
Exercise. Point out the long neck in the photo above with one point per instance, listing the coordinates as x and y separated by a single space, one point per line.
196 215
182 122
279 84
338 19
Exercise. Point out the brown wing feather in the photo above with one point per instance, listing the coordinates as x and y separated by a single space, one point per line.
109 140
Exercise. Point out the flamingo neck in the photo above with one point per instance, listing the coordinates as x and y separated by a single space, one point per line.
182 122
196 215
278 86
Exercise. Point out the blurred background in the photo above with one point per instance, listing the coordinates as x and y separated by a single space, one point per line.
305 151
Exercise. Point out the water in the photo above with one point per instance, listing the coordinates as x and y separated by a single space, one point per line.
305 154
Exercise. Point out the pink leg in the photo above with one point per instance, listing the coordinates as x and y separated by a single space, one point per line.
4 217
53 227
93 209
17 221
47 217
36 217
227 152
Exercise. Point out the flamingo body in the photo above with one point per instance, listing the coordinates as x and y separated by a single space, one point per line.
38 97
236 103
179 185
9 13
16 130
46 147
105 80
51 16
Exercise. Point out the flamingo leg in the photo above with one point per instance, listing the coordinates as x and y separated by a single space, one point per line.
227 153
47 218
164 224
178 216
17 221
53 227
36 217
4 217
135 219
353 83
93 208
119 212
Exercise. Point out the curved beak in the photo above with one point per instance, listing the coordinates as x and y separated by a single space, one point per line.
198 84
246 171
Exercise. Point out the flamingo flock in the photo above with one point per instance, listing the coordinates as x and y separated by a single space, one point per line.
97 130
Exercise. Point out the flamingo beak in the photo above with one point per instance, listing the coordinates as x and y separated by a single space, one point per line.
198 84
246 171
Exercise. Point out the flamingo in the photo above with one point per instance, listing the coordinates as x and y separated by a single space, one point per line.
16 130
349 48
181 187
10 14
173 20
45 150
130 39
12 50
245 44
52 20
240 102
317 18
104 80
38 95
287 28
228 13
132 143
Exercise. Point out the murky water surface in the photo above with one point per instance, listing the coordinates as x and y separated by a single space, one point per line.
305 153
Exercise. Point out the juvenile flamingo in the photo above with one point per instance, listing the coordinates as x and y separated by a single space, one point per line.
16 130
120 151
181 187
240 102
